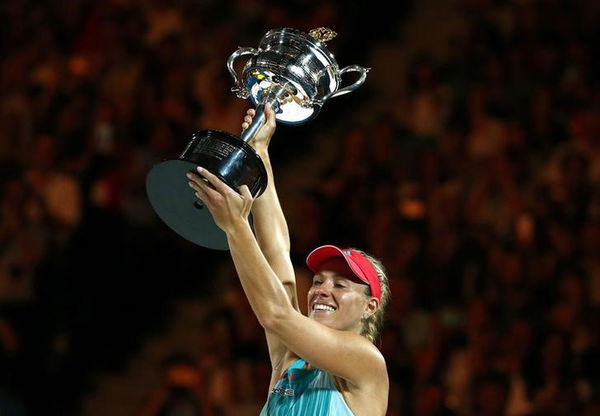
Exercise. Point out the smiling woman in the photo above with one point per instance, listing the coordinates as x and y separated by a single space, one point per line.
324 363
350 269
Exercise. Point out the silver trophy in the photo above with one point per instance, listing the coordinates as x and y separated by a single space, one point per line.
295 74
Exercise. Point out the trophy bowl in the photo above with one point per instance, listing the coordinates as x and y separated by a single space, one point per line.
300 63
294 73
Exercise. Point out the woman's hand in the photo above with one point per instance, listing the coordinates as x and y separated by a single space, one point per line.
260 141
228 208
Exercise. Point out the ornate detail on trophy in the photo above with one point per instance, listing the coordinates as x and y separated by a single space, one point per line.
322 34
294 73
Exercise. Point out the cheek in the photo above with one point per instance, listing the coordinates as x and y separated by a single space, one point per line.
352 302
310 294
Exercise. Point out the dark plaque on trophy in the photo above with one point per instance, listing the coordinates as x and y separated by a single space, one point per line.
295 74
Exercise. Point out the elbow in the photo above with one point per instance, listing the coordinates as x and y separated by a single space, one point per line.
275 318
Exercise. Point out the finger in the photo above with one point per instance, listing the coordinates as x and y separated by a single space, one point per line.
203 192
245 191
194 186
202 186
247 199
247 121
270 115
193 177
251 112
217 183
201 196
196 179
204 200
198 192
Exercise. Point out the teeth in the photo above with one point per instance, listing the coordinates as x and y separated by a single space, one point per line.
321 307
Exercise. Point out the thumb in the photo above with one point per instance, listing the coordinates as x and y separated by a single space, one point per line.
247 200
269 115
245 191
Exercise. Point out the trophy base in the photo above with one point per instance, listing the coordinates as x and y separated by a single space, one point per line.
222 154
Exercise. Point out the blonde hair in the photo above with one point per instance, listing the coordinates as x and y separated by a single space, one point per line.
373 325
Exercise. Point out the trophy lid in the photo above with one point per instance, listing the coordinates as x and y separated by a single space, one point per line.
315 39
322 34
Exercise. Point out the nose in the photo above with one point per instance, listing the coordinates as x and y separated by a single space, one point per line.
321 291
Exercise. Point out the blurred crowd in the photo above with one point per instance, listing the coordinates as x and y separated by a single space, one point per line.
478 190
483 202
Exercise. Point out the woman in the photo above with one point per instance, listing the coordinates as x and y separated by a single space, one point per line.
324 363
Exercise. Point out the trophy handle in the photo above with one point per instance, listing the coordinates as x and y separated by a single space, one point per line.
352 87
239 89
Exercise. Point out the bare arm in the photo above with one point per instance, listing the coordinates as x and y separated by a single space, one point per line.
270 225
271 230
343 354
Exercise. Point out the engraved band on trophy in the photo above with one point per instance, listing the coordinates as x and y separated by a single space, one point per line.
295 74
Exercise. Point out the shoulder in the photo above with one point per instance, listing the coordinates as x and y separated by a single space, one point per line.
371 362
370 394
380 374
372 355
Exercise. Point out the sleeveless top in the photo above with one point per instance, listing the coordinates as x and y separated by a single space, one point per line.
302 392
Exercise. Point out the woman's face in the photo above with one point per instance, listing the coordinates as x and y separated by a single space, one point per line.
337 301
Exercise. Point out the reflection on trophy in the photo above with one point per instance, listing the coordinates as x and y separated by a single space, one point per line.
295 74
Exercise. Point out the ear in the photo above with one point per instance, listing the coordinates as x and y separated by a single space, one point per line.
371 307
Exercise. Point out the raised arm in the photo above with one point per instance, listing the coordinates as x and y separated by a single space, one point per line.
270 225
342 353
271 230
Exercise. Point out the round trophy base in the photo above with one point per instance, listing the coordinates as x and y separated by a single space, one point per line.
222 154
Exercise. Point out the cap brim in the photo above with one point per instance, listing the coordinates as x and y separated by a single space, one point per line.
320 255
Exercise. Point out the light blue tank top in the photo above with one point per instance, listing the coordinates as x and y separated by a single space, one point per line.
302 392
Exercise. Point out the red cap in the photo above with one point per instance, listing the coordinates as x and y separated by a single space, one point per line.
360 266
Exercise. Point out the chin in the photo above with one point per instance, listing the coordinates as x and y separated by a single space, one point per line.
325 320
317 317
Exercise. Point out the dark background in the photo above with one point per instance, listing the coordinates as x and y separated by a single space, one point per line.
468 162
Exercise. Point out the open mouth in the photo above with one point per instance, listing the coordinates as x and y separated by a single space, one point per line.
322 307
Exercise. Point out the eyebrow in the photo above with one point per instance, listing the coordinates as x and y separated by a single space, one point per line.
334 275
327 273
